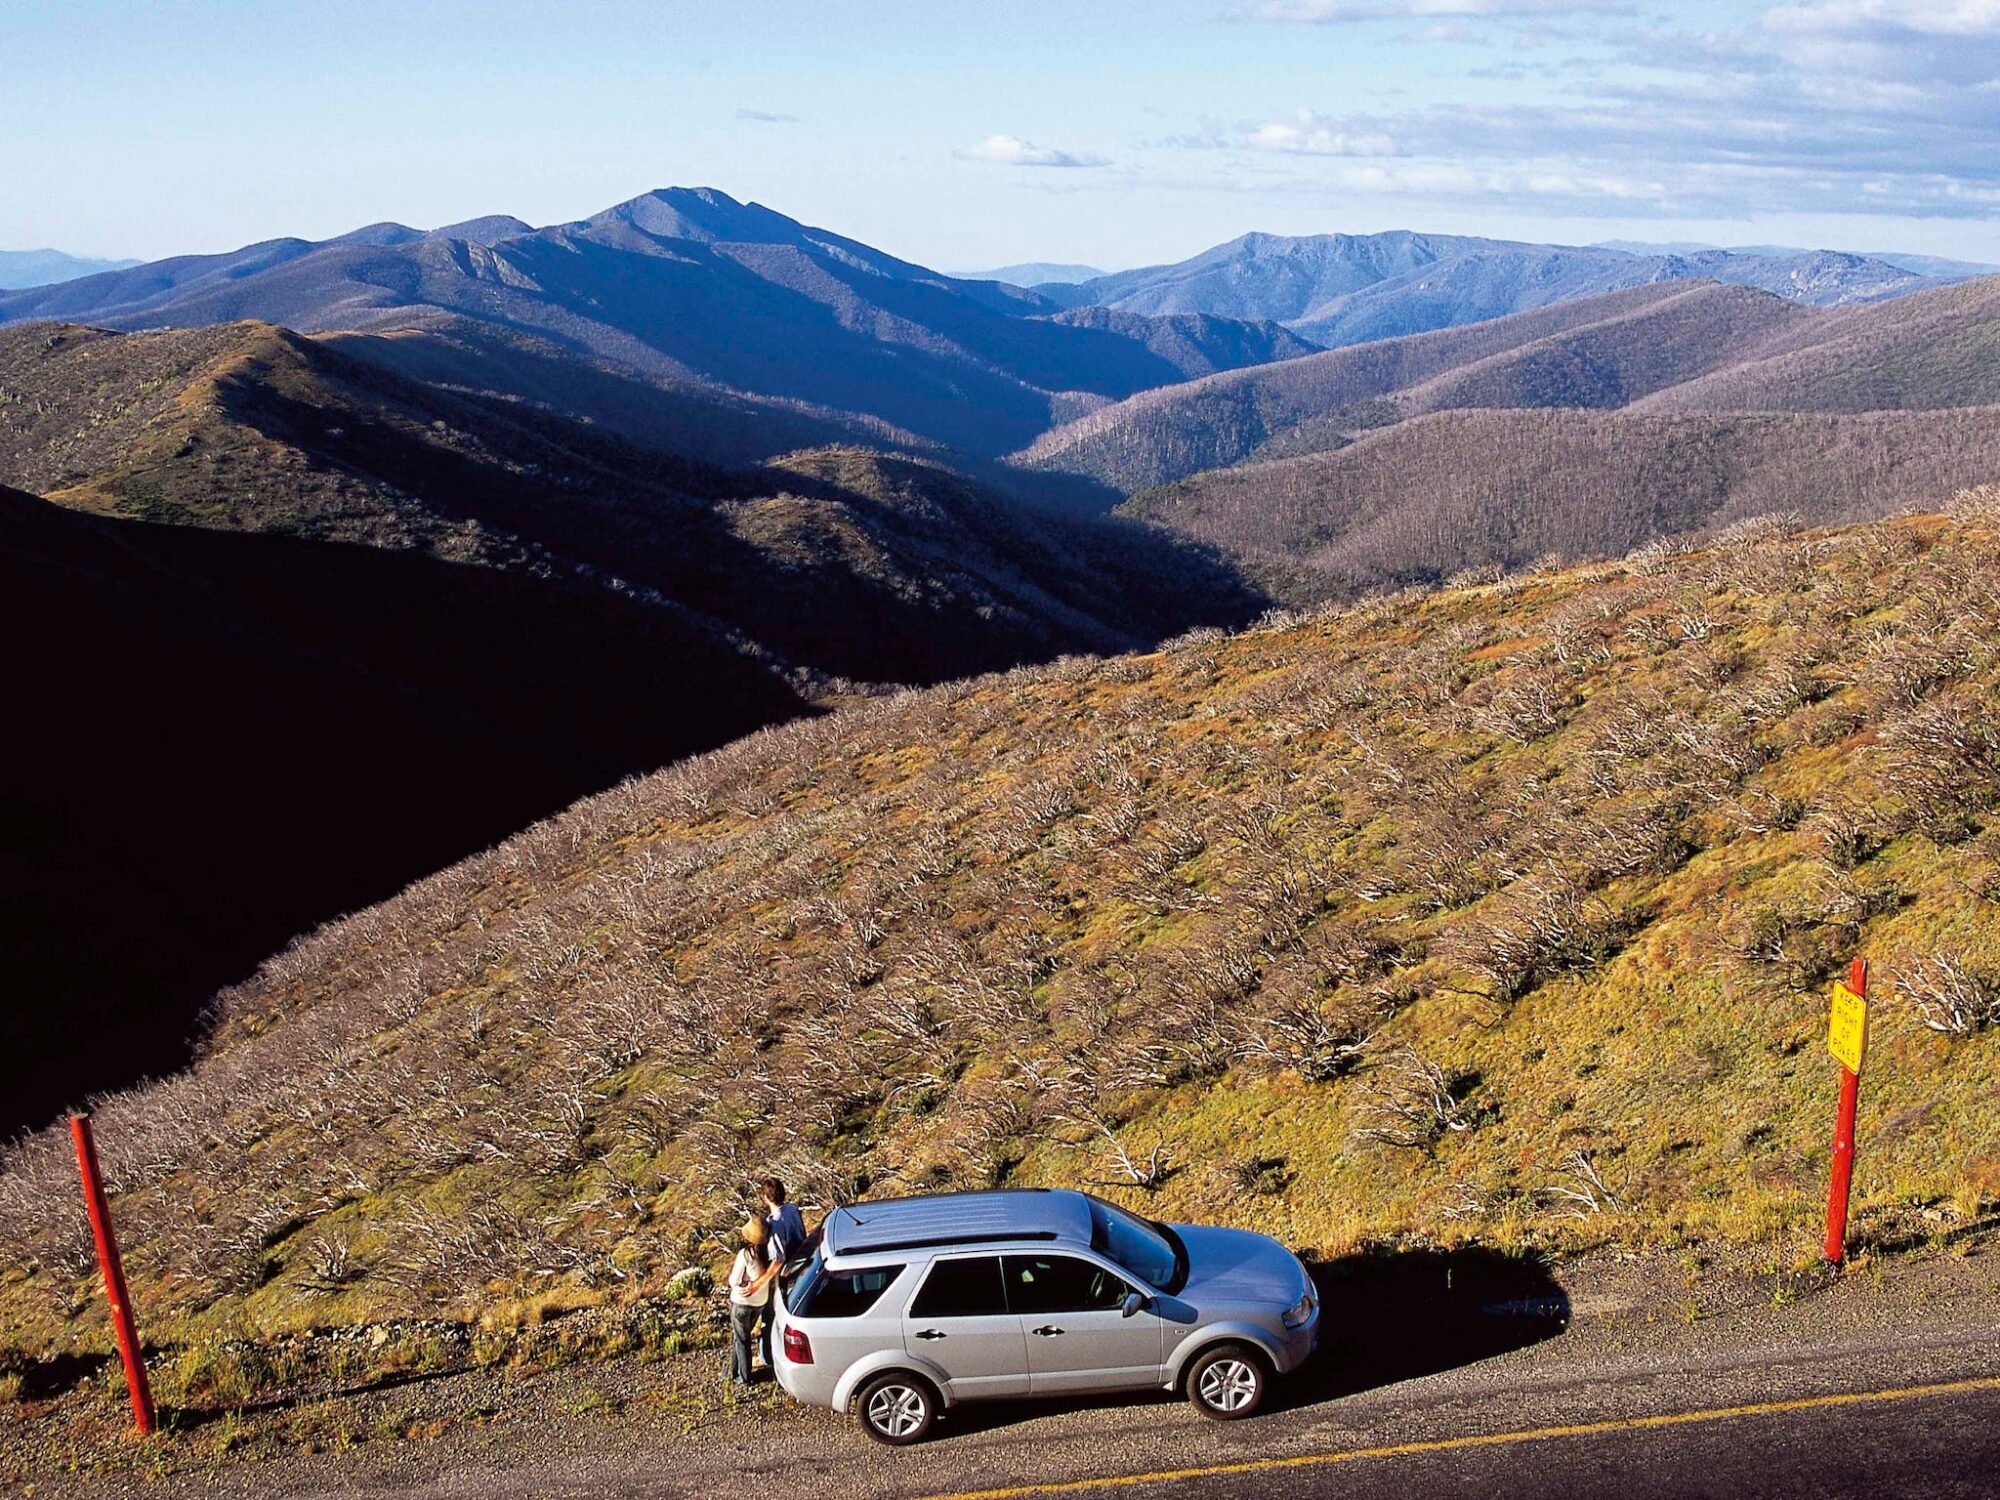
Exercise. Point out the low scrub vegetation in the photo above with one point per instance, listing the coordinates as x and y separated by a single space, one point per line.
1498 912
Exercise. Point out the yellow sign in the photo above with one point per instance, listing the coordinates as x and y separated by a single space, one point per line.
1847 1035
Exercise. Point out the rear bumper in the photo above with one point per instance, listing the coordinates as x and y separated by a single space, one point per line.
812 1383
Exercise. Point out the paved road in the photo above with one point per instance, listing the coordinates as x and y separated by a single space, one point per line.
1933 1441
1860 1390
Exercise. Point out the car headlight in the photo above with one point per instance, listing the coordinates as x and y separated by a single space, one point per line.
1300 1312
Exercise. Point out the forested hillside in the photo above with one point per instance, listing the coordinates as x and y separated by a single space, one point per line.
1594 352
1499 912
1939 349
1425 499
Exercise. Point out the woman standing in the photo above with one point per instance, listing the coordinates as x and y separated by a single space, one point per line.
749 1294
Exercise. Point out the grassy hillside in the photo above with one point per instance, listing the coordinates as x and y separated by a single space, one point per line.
1600 351
1497 913
1427 498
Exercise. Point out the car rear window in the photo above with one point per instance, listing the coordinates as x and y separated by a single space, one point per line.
839 1294
967 1288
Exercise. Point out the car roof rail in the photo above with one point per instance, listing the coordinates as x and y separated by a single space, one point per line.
945 1241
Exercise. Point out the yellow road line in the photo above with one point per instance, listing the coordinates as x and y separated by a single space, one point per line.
1483 1440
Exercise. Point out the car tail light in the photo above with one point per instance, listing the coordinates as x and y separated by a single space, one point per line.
798 1348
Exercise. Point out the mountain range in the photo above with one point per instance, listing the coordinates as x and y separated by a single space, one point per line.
23 268
1337 289
1035 273
692 289
689 285
1672 345
1938 267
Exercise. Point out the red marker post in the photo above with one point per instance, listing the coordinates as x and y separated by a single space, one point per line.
1847 1040
114 1274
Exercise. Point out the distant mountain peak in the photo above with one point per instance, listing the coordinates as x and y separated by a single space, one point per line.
27 268
488 229
387 232
703 214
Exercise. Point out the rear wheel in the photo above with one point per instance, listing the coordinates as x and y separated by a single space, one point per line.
1228 1382
896 1409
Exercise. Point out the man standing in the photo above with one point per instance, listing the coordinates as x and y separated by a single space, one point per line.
785 1241
787 1224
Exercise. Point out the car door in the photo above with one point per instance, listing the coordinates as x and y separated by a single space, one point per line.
958 1320
1079 1339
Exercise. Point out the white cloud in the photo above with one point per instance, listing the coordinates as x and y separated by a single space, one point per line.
1308 134
1012 151
765 117
1808 106
1921 17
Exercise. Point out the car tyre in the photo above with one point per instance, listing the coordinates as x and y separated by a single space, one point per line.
896 1408
1228 1383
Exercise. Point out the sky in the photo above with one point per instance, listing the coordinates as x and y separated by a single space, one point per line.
971 136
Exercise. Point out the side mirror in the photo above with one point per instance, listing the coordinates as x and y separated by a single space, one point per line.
1136 1303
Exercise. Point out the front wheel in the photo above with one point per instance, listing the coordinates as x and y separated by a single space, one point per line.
1227 1383
896 1409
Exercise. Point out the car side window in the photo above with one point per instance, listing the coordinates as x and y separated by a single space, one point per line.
967 1288
1061 1284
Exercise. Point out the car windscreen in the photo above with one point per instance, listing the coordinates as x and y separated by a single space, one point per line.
846 1293
1140 1246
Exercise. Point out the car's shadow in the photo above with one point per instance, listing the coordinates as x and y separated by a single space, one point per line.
1394 1315
1386 1316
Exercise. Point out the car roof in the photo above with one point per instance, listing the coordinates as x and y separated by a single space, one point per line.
940 1220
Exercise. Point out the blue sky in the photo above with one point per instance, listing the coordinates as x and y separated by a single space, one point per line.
964 137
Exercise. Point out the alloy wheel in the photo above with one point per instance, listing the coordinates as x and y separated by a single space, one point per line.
1229 1385
896 1411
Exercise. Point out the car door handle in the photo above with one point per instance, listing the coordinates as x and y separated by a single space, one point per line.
931 1333
1048 1331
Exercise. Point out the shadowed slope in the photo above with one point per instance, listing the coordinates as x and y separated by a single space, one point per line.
220 739
435 614
892 569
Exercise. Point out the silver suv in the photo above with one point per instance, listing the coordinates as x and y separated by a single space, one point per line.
912 1305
